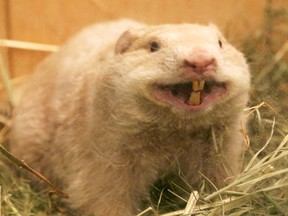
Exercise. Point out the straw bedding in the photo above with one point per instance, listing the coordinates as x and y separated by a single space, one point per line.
261 189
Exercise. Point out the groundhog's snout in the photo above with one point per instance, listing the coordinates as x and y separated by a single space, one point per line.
200 61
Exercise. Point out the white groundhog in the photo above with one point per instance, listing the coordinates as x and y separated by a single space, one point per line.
112 112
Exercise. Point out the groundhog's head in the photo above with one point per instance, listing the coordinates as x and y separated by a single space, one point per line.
187 69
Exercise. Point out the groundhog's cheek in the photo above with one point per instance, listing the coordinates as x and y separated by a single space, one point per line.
243 77
230 72
236 81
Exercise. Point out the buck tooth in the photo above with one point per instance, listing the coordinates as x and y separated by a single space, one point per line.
195 85
201 85
198 85
195 98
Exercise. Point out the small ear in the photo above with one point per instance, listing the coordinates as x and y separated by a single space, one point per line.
125 41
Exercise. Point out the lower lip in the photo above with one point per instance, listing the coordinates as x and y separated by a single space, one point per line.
168 98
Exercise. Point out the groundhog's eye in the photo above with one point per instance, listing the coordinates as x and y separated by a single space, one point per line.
220 43
154 46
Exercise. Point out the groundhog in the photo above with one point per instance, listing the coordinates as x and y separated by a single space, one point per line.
123 104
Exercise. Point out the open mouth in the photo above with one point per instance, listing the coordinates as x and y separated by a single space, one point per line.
190 95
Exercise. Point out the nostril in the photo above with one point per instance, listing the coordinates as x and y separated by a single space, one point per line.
200 63
190 64
211 62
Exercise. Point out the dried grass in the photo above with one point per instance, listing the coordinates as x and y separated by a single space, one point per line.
28 45
261 189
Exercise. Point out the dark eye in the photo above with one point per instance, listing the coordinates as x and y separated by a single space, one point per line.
154 46
220 43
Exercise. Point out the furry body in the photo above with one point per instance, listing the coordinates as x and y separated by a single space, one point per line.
89 119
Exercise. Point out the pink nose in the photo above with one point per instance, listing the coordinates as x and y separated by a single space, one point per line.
200 61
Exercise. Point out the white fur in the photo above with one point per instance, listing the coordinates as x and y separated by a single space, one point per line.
88 120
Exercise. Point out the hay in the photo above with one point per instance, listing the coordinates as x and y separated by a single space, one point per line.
28 45
261 189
